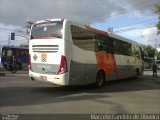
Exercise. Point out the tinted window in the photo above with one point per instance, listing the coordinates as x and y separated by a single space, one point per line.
118 46
7 52
47 29
87 40
136 51
0 54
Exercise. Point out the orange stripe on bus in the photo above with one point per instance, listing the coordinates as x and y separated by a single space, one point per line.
106 61
96 30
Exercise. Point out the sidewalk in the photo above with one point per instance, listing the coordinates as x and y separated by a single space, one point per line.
148 75
18 73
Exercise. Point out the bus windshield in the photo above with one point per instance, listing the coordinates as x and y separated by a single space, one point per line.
47 29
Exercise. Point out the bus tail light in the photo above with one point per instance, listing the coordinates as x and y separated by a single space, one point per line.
63 66
30 66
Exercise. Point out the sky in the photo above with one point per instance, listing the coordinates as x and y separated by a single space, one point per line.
133 19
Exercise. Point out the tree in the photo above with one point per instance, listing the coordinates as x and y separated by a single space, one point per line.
158 12
151 52
158 55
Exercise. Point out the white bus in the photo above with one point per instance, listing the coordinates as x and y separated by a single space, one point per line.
64 52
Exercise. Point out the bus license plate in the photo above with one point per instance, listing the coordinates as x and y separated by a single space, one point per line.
43 77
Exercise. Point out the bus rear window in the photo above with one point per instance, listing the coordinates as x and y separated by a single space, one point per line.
47 29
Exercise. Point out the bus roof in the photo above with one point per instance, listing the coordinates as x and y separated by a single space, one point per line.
49 20
111 35
93 30
122 38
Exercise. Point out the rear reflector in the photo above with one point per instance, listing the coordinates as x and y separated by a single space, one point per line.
63 66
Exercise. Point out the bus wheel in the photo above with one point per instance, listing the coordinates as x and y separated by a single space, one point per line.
100 79
137 72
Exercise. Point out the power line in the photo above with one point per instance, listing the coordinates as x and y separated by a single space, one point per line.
11 30
90 6
137 23
81 16
122 12
135 28
146 5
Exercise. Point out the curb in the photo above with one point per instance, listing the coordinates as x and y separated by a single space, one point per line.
2 73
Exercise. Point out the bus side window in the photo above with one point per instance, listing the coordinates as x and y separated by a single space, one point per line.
9 53
142 53
136 51
100 42
4 53
109 45
17 53
0 52
83 38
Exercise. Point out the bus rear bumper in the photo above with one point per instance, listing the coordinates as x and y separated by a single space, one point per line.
49 79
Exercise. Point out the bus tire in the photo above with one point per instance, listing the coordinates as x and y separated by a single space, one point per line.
19 66
14 68
100 79
137 72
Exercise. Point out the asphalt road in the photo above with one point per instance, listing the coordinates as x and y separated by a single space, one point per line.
20 95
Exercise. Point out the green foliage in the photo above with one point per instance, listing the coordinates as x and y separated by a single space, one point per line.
151 52
157 6
158 55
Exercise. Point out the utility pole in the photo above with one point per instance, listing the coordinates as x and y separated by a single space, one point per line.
156 49
110 29
9 40
156 43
